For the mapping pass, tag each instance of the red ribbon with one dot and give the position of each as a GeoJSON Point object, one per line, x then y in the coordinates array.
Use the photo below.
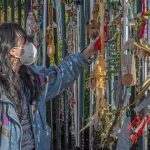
{"type": "Point", "coordinates": [97, 45]}
{"type": "Point", "coordinates": [35, 7]}
{"type": "Point", "coordinates": [142, 29]}
{"type": "Point", "coordinates": [106, 32]}
{"type": "Point", "coordinates": [106, 26]}
{"type": "Point", "coordinates": [143, 7]}
{"type": "Point", "coordinates": [41, 6]}
{"type": "Point", "coordinates": [72, 102]}
{"type": "Point", "coordinates": [138, 121]}
{"type": "Point", "coordinates": [135, 122]}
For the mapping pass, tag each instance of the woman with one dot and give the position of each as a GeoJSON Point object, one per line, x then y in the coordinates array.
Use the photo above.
{"type": "Point", "coordinates": [24, 89]}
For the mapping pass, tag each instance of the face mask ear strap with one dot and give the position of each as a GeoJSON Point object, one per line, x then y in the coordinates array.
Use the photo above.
{"type": "Point", "coordinates": [12, 53]}
{"type": "Point", "coordinates": [18, 47]}
{"type": "Point", "coordinates": [15, 56]}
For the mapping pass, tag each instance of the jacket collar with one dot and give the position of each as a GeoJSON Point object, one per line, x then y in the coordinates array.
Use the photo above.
{"type": "Point", "coordinates": [37, 69]}
{"type": "Point", "coordinates": [11, 109]}
{"type": "Point", "coordinates": [5, 99]}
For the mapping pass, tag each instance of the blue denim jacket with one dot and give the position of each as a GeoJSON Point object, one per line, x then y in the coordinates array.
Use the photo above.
{"type": "Point", "coordinates": [53, 81]}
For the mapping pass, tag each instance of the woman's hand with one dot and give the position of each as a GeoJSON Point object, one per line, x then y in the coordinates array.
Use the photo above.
{"type": "Point", "coordinates": [92, 48]}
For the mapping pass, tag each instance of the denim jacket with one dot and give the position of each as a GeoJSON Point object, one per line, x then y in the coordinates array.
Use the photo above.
{"type": "Point", "coordinates": [53, 81]}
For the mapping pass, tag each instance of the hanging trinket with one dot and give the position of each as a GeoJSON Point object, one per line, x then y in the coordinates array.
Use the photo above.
{"type": "Point", "coordinates": [72, 102]}
{"type": "Point", "coordinates": [51, 49]}
{"type": "Point", "coordinates": [70, 35]}
{"type": "Point", "coordinates": [128, 113]}
{"type": "Point", "coordinates": [128, 70]}
{"type": "Point", "coordinates": [50, 34]}
{"type": "Point", "coordinates": [31, 24]}
{"type": "Point", "coordinates": [92, 81]}
{"type": "Point", "coordinates": [69, 10]}
{"type": "Point", "coordinates": [128, 44]}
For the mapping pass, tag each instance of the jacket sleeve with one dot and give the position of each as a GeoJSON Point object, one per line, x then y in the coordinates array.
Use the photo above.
{"type": "Point", "coordinates": [65, 74]}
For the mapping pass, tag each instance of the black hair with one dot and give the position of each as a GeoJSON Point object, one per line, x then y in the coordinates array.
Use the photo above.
{"type": "Point", "coordinates": [11, 82]}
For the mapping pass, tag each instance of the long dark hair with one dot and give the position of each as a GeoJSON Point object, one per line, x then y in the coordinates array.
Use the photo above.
{"type": "Point", "coordinates": [11, 82]}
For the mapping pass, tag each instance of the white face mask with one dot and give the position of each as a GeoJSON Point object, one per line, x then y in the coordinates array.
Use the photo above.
{"type": "Point", "coordinates": [30, 54]}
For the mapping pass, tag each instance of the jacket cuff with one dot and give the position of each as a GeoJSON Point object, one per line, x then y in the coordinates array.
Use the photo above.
{"type": "Point", "coordinates": [83, 62]}
{"type": "Point", "coordinates": [91, 59]}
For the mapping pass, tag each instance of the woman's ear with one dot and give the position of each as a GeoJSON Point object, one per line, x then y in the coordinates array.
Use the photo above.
{"type": "Point", "coordinates": [12, 52]}
{"type": "Point", "coordinates": [16, 52]}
